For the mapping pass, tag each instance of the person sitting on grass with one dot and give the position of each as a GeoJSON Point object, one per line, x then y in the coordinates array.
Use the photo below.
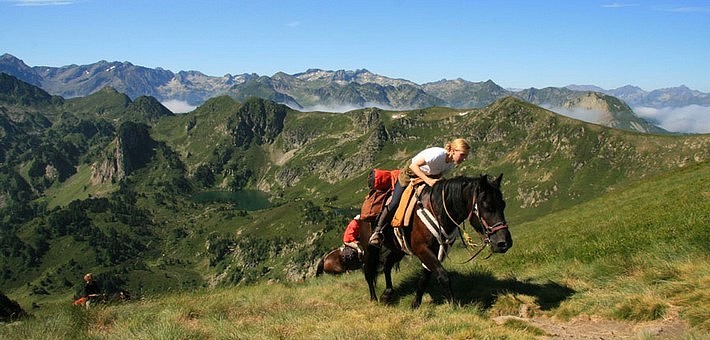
{"type": "Point", "coordinates": [90, 291]}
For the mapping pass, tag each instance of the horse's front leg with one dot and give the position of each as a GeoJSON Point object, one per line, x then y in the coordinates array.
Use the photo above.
{"type": "Point", "coordinates": [422, 283]}
{"type": "Point", "coordinates": [442, 276]}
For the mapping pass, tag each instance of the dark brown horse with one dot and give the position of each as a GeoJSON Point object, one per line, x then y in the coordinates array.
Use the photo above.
{"type": "Point", "coordinates": [451, 202]}
{"type": "Point", "coordinates": [338, 261]}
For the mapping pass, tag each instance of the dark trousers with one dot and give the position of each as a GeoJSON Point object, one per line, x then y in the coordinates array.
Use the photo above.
{"type": "Point", "coordinates": [396, 196]}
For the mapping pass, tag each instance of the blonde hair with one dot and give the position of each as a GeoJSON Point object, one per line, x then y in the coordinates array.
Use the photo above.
{"type": "Point", "coordinates": [457, 144]}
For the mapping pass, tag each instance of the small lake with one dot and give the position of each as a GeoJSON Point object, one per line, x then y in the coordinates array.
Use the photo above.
{"type": "Point", "coordinates": [243, 199]}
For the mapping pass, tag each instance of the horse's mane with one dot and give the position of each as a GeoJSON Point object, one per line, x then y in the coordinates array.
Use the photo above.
{"type": "Point", "coordinates": [458, 190]}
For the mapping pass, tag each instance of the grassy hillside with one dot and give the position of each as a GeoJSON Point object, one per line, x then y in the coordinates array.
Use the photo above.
{"type": "Point", "coordinates": [160, 206]}
{"type": "Point", "coordinates": [176, 217]}
{"type": "Point", "coordinates": [637, 255]}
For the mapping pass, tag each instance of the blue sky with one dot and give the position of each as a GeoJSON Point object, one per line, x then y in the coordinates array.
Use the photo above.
{"type": "Point", "coordinates": [517, 44]}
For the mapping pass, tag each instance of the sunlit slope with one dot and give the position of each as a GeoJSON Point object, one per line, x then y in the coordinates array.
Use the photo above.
{"type": "Point", "coordinates": [634, 255]}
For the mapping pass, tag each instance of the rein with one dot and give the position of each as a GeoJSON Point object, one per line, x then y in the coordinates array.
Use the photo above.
{"type": "Point", "coordinates": [458, 225]}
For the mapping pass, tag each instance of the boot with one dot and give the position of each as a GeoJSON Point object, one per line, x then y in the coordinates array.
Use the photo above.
{"type": "Point", "coordinates": [376, 238]}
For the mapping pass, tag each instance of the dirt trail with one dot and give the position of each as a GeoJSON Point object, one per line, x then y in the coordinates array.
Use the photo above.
{"type": "Point", "coordinates": [585, 327]}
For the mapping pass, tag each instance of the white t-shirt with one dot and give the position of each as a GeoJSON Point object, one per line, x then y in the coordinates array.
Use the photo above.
{"type": "Point", "coordinates": [435, 159]}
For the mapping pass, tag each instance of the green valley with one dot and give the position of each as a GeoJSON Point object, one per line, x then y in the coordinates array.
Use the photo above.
{"type": "Point", "coordinates": [606, 222]}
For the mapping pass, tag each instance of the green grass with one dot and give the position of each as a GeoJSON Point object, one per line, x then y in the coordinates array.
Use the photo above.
{"type": "Point", "coordinates": [627, 255]}
{"type": "Point", "coordinates": [632, 255]}
{"type": "Point", "coordinates": [76, 188]}
{"type": "Point", "coordinates": [325, 308]}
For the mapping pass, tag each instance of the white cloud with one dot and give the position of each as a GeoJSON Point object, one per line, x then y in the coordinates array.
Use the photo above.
{"type": "Point", "coordinates": [342, 108]}
{"type": "Point", "coordinates": [589, 116]}
{"type": "Point", "coordinates": [42, 2]}
{"type": "Point", "coordinates": [691, 9]}
{"type": "Point", "coordinates": [178, 106]}
{"type": "Point", "coordinates": [689, 119]}
{"type": "Point", "coordinates": [618, 5]}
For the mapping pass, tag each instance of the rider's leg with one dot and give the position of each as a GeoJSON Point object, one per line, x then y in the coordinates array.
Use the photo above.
{"type": "Point", "coordinates": [386, 215]}
{"type": "Point", "coordinates": [376, 237]}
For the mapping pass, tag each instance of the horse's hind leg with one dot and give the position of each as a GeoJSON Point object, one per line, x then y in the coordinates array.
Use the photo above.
{"type": "Point", "coordinates": [387, 294]}
{"type": "Point", "coordinates": [372, 258]}
{"type": "Point", "coordinates": [422, 283]}
{"type": "Point", "coordinates": [320, 267]}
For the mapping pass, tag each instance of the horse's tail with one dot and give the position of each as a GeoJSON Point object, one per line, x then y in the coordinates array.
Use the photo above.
{"type": "Point", "coordinates": [319, 267]}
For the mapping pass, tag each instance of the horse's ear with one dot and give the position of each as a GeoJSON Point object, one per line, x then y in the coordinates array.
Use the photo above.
{"type": "Point", "coordinates": [497, 180]}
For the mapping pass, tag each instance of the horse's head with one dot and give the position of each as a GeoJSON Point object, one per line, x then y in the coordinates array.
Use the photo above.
{"type": "Point", "coordinates": [487, 214]}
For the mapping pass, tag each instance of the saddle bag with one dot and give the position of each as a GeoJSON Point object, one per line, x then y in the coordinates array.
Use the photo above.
{"type": "Point", "coordinates": [373, 204]}
{"type": "Point", "coordinates": [381, 183]}
{"type": "Point", "coordinates": [382, 179]}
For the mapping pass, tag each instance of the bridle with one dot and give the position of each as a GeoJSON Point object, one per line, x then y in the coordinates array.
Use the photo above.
{"type": "Point", "coordinates": [488, 230]}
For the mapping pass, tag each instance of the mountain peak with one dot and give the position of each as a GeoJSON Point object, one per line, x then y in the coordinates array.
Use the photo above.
{"type": "Point", "coordinates": [593, 88]}
{"type": "Point", "coordinates": [629, 88]}
{"type": "Point", "coordinates": [108, 89]}
{"type": "Point", "coordinates": [16, 91]}
{"type": "Point", "coordinates": [342, 77]}
{"type": "Point", "coordinates": [16, 67]}
{"type": "Point", "coordinates": [9, 57]}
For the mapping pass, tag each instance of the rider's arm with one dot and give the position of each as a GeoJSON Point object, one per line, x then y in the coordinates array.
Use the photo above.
{"type": "Point", "coordinates": [416, 163]}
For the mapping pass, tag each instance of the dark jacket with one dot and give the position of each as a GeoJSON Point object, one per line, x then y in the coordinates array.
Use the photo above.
{"type": "Point", "coordinates": [91, 287]}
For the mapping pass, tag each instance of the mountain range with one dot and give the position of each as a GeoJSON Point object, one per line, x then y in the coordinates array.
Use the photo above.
{"type": "Point", "coordinates": [340, 91]}
{"type": "Point", "coordinates": [661, 98]}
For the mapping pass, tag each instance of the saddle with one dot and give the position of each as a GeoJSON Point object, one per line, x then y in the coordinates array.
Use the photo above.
{"type": "Point", "coordinates": [410, 198]}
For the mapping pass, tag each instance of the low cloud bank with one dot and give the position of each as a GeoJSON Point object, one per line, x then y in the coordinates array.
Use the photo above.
{"type": "Point", "coordinates": [687, 119]}
{"type": "Point", "coordinates": [178, 106]}
{"type": "Point", "coordinates": [342, 108]}
{"type": "Point", "coordinates": [589, 116]}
